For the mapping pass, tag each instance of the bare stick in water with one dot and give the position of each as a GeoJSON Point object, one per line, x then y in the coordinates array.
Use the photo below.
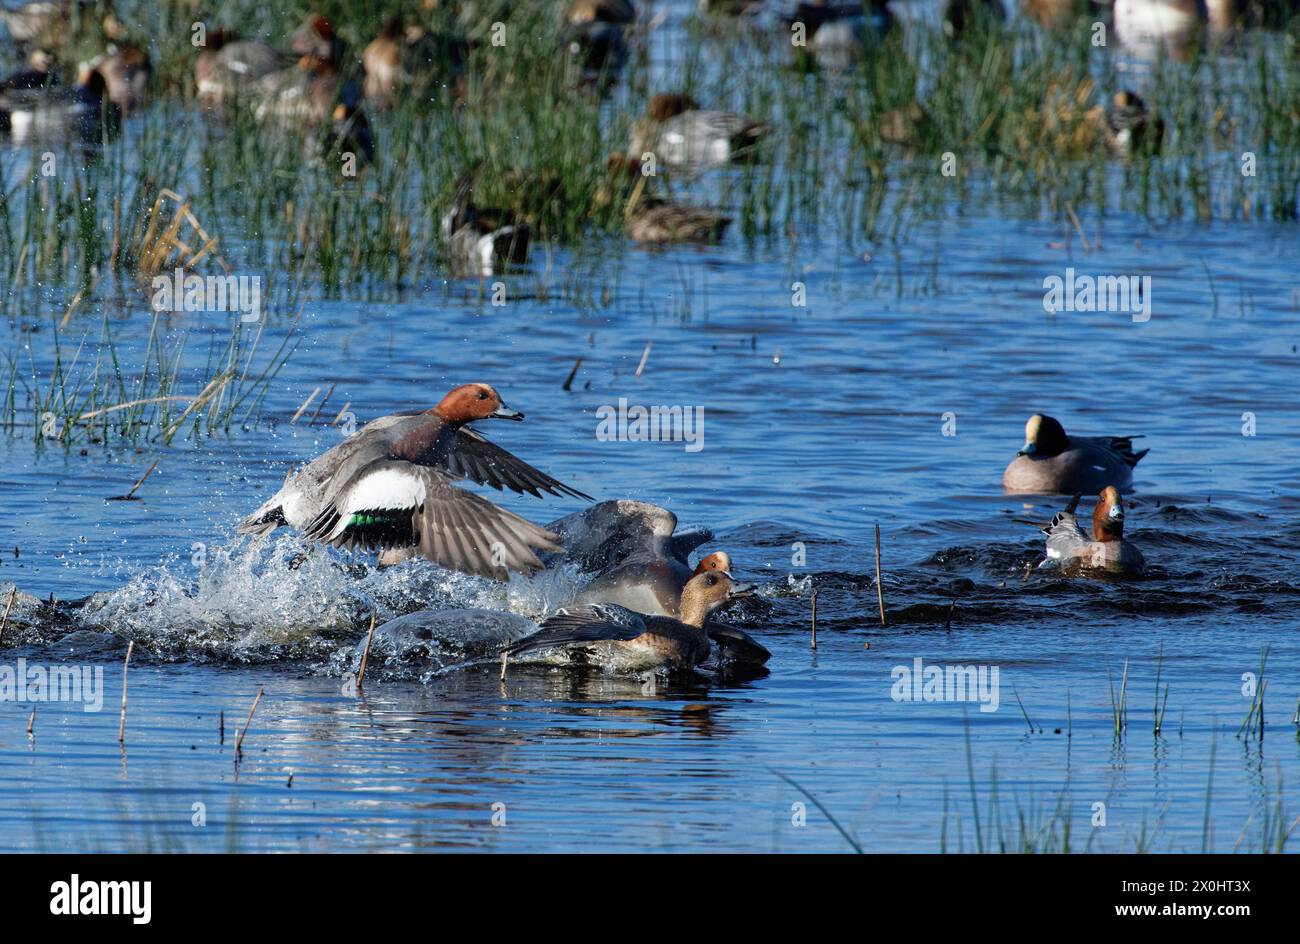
{"type": "Point", "coordinates": [645, 356]}
{"type": "Point", "coordinates": [4, 620]}
{"type": "Point", "coordinates": [221, 728]}
{"type": "Point", "coordinates": [239, 745]}
{"type": "Point", "coordinates": [365, 655]}
{"type": "Point", "coordinates": [138, 482]}
{"type": "Point", "coordinates": [305, 403]}
{"type": "Point", "coordinates": [880, 593]}
{"type": "Point", "coordinates": [126, 664]}
{"type": "Point", "coordinates": [814, 617]}
{"type": "Point", "coordinates": [568, 381]}
{"type": "Point", "coordinates": [31, 722]}
{"type": "Point", "coordinates": [505, 657]}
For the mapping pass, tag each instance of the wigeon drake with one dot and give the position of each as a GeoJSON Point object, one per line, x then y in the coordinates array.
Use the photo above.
{"type": "Point", "coordinates": [482, 241]}
{"type": "Point", "coordinates": [227, 67]}
{"type": "Point", "coordinates": [618, 639]}
{"type": "Point", "coordinates": [1052, 463]}
{"type": "Point", "coordinates": [1129, 126]}
{"type": "Point", "coordinates": [649, 584]}
{"type": "Point", "coordinates": [391, 487]}
{"type": "Point", "coordinates": [679, 133]}
{"type": "Point", "coordinates": [1068, 545]}
{"type": "Point", "coordinates": [127, 71]}
{"type": "Point", "coordinates": [609, 533]}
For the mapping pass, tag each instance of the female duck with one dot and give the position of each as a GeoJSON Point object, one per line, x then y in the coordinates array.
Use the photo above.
{"type": "Point", "coordinates": [1050, 462]}
{"type": "Point", "coordinates": [391, 486]}
{"type": "Point", "coordinates": [616, 638]}
{"type": "Point", "coordinates": [1068, 546]}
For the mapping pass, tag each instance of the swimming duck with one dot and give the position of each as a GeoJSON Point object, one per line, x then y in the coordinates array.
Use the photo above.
{"type": "Point", "coordinates": [595, 31]}
{"type": "Point", "coordinates": [679, 133]}
{"type": "Point", "coordinates": [1050, 462]}
{"type": "Point", "coordinates": [658, 221]}
{"type": "Point", "coordinates": [403, 56]}
{"type": "Point", "coordinates": [815, 15]}
{"type": "Point", "coordinates": [81, 109]}
{"type": "Point", "coordinates": [617, 638]}
{"type": "Point", "coordinates": [1149, 27]}
{"type": "Point", "coordinates": [230, 68]}
{"type": "Point", "coordinates": [391, 485]}
{"type": "Point", "coordinates": [316, 38]}
{"type": "Point", "coordinates": [127, 72]}
{"type": "Point", "coordinates": [37, 75]}
{"type": "Point", "coordinates": [1129, 127]}
{"type": "Point", "coordinates": [1068, 546]}
{"type": "Point", "coordinates": [482, 241]}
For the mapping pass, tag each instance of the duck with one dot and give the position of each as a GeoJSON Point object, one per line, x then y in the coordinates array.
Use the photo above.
{"type": "Point", "coordinates": [1068, 546]}
{"type": "Point", "coordinates": [391, 486]}
{"type": "Point", "coordinates": [815, 15]}
{"type": "Point", "coordinates": [428, 641]}
{"type": "Point", "coordinates": [619, 639]}
{"type": "Point", "coordinates": [604, 11]}
{"type": "Point", "coordinates": [227, 67]}
{"type": "Point", "coordinates": [654, 587]}
{"type": "Point", "coordinates": [127, 71]}
{"type": "Point", "coordinates": [82, 109]}
{"type": "Point", "coordinates": [1150, 27]}
{"type": "Point", "coordinates": [608, 533]}
{"type": "Point", "coordinates": [595, 31]}
{"type": "Point", "coordinates": [350, 134]}
{"type": "Point", "coordinates": [39, 74]}
{"type": "Point", "coordinates": [1052, 463]}
{"type": "Point", "coordinates": [655, 220]}
{"type": "Point", "coordinates": [42, 21]}
{"type": "Point", "coordinates": [483, 241]}
{"type": "Point", "coordinates": [649, 583]}
{"type": "Point", "coordinates": [316, 38]}
{"type": "Point", "coordinates": [403, 56]}
{"type": "Point", "coordinates": [679, 133]}
{"type": "Point", "coordinates": [1129, 128]}
{"type": "Point", "coordinates": [305, 94]}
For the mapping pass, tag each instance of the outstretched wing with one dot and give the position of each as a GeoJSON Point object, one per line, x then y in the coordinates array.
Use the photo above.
{"type": "Point", "coordinates": [486, 463]}
{"type": "Point", "coordinates": [1064, 536]}
{"type": "Point", "coordinates": [394, 504]}
{"type": "Point", "coordinates": [736, 645]}
{"type": "Point", "coordinates": [581, 624]}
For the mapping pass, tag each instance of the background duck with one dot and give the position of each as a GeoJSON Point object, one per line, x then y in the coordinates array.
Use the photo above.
{"type": "Point", "coordinates": [82, 110]}
{"type": "Point", "coordinates": [409, 57]}
{"type": "Point", "coordinates": [127, 71]}
{"type": "Point", "coordinates": [601, 537]}
{"type": "Point", "coordinates": [1068, 546]}
{"type": "Point", "coordinates": [1129, 127]}
{"type": "Point", "coordinates": [38, 74]}
{"type": "Point", "coordinates": [1050, 462]}
{"type": "Point", "coordinates": [391, 485]}
{"type": "Point", "coordinates": [679, 133]}
{"type": "Point", "coordinates": [228, 68]}
{"type": "Point", "coordinates": [616, 638]}
{"type": "Point", "coordinates": [482, 241]}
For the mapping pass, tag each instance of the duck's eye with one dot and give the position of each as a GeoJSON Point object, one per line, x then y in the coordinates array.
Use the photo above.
{"type": "Point", "coordinates": [482, 395]}
{"type": "Point", "coordinates": [712, 580]}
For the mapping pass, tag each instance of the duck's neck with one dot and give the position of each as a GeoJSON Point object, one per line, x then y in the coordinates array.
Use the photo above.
{"type": "Point", "coordinates": [694, 613]}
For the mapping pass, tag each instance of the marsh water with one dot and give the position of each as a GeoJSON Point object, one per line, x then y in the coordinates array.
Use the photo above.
{"type": "Point", "coordinates": [894, 397]}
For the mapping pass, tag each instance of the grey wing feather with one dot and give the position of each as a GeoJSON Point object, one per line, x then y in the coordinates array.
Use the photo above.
{"type": "Point", "coordinates": [1064, 537]}
{"type": "Point", "coordinates": [486, 463]}
{"type": "Point", "coordinates": [582, 624]}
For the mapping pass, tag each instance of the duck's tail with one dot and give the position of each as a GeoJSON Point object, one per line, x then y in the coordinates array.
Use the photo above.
{"type": "Point", "coordinates": [1124, 446]}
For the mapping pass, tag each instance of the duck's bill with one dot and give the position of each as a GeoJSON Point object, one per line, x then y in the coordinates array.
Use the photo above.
{"type": "Point", "coordinates": [742, 590]}
{"type": "Point", "coordinates": [1028, 449]}
{"type": "Point", "coordinates": [504, 412]}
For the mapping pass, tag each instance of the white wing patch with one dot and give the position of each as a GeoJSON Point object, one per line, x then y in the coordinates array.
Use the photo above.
{"type": "Point", "coordinates": [384, 488]}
